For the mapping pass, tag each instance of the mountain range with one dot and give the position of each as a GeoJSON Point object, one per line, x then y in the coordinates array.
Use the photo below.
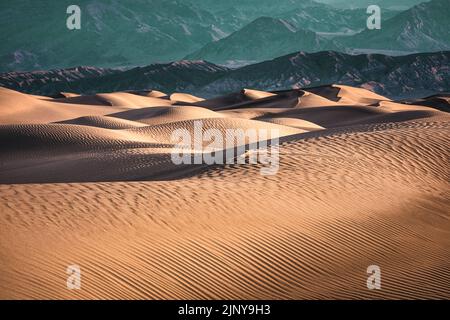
{"type": "Point", "coordinates": [422, 28]}
{"type": "Point", "coordinates": [409, 76]}
{"type": "Point", "coordinates": [140, 32]}
{"type": "Point", "coordinates": [113, 33]}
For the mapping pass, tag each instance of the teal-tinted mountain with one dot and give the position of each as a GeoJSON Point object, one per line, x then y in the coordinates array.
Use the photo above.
{"type": "Point", "coordinates": [423, 28]}
{"type": "Point", "coordinates": [305, 14]}
{"type": "Point", "coordinates": [255, 8]}
{"type": "Point", "coordinates": [333, 21]}
{"type": "Point", "coordinates": [129, 33]}
{"type": "Point", "coordinates": [113, 33]}
{"type": "Point", "coordinates": [120, 33]}
{"type": "Point", "coordinates": [263, 39]}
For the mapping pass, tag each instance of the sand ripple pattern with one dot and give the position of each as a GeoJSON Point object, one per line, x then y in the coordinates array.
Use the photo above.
{"type": "Point", "coordinates": [348, 194]}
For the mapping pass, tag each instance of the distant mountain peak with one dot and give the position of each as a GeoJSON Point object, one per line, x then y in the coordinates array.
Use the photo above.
{"type": "Point", "coordinates": [262, 39]}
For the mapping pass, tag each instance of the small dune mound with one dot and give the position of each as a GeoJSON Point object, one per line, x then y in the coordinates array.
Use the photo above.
{"type": "Point", "coordinates": [185, 98]}
{"type": "Point", "coordinates": [156, 94]}
{"type": "Point", "coordinates": [349, 95]}
{"type": "Point", "coordinates": [67, 95]}
{"type": "Point", "coordinates": [38, 137]}
{"type": "Point", "coordinates": [349, 115]}
{"type": "Point", "coordinates": [253, 99]}
{"type": "Point", "coordinates": [164, 132]}
{"type": "Point", "coordinates": [161, 115]}
{"type": "Point", "coordinates": [439, 101]}
{"type": "Point", "coordinates": [19, 108]}
{"type": "Point", "coordinates": [223, 101]}
{"type": "Point", "coordinates": [328, 92]}
{"type": "Point", "coordinates": [253, 113]}
{"type": "Point", "coordinates": [124, 99]}
{"type": "Point", "coordinates": [256, 94]}
{"type": "Point", "coordinates": [104, 122]}
{"type": "Point", "coordinates": [391, 106]}
{"type": "Point", "coordinates": [90, 100]}
{"type": "Point", "coordinates": [148, 93]}
{"type": "Point", "coordinates": [309, 99]}
{"type": "Point", "coordinates": [304, 125]}
{"type": "Point", "coordinates": [118, 99]}
{"type": "Point", "coordinates": [328, 116]}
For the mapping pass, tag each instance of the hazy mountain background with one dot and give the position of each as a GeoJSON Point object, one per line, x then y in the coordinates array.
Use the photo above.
{"type": "Point", "coordinates": [141, 32]}
{"type": "Point", "coordinates": [422, 28]}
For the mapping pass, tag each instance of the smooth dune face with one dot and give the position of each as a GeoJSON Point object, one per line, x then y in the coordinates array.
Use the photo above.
{"type": "Point", "coordinates": [89, 181]}
{"type": "Point", "coordinates": [184, 97]}
{"type": "Point", "coordinates": [69, 94]}
{"type": "Point", "coordinates": [255, 94]}
{"type": "Point", "coordinates": [156, 94]}
{"type": "Point", "coordinates": [362, 96]}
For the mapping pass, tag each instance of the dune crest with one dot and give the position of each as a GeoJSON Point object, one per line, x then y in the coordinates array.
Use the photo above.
{"type": "Point", "coordinates": [184, 97]}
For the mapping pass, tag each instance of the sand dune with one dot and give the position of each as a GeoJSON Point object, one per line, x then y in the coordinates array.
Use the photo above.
{"type": "Point", "coordinates": [362, 96]}
{"type": "Point", "coordinates": [295, 123]}
{"type": "Point", "coordinates": [89, 180]}
{"type": "Point", "coordinates": [149, 93]}
{"type": "Point", "coordinates": [18, 108]}
{"type": "Point", "coordinates": [438, 101]}
{"type": "Point", "coordinates": [256, 95]}
{"type": "Point", "coordinates": [163, 132]}
{"type": "Point", "coordinates": [67, 95]}
{"type": "Point", "coordinates": [309, 99]}
{"type": "Point", "coordinates": [105, 122]}
{"type": "Point", "coordinates": [184, 97]}
{"type": "Point", "coordinates": [247, 99]}
{"type": "Point", "coordinates": [161, 115]}
{"type": "Point", "coordinates": [118, 99]}
{"type": "Point", "coordinates": [347, 95]}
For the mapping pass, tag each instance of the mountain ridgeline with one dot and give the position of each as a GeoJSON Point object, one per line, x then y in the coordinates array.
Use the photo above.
{"type": "Point", "coordinates": [410, 76]}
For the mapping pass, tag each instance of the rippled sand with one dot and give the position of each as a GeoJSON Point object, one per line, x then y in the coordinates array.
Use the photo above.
{"type": "Point", "coordinates": [89, 181]}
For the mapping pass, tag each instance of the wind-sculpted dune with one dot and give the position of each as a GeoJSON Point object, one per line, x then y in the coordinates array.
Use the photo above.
{"type": "Point", "coordinates": [157, 196]}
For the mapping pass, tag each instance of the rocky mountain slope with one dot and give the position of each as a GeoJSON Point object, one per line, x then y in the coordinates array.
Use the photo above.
{"type": "Point", "coordinates": [414, 75]}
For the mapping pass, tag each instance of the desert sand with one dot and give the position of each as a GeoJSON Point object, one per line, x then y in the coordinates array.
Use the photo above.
{"type": "Point", "coordinates": [89, 181]}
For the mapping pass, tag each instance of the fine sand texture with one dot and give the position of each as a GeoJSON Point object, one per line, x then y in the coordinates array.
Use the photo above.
{"type": "Point", "coordinates": [89, 181]}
